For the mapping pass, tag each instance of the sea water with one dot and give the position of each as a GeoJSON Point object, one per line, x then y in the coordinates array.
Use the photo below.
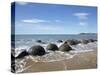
{"type": "Point", "coordinates": [25, 42]}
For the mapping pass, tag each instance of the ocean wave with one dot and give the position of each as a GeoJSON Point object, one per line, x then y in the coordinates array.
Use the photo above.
{"type": "Point", "coordinates": [50, 56]}
{"type": "Point", "coordinates": [76, 48]}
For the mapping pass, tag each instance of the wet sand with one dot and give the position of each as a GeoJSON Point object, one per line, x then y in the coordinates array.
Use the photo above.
{"type": "Point", "coordinates": [87, 60]}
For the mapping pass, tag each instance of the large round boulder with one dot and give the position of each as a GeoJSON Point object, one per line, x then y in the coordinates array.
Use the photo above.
{"type": "Point", "coordinates": [65, 42]}
{"type": "Point", "coordinates": [59, 41]}
{"type": "Point", "coordinates": [38, 41]}
{"type": "Point", "coordinates": [72, 42]}
{"type": "Point", "coordinates": [95, 40]}
{"type": "Point", "coordinates": [65, 47]}
{"type": "Point", "coordinates": [52, 47]}
{"type": "Point", "coordinates": [22, 54]}
{"type": "Point", "coordinates": [36, 50]}
{"type": "Point", "coordinates": [85, 41]}
{"type": "Point", "coordinates": [91, 40]}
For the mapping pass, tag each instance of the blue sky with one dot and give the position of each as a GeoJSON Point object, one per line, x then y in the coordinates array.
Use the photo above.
{"type": "Point", "coordinates": [35, 18]}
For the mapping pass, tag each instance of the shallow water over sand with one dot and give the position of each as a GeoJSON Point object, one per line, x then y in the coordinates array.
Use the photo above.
{"type": "Point", "coordinates": [51, 56]}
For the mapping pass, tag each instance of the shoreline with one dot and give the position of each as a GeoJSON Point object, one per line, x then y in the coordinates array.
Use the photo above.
{"type": "Point", "coordinates": [86, 60]}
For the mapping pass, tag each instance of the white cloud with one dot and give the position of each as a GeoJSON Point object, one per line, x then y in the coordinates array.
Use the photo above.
{"type": "Point", "coordinates": [83, 23]}
{"type": "Point", "coordinates": [81, 15]}
{"type": "Point", "coordinates": [22, 3]}
{"type": "Point", "coordinates": [58, 21]}
{"type": "Point", "coordinates": [34, 21]}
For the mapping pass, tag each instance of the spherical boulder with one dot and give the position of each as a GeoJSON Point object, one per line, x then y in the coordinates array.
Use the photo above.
{"type": "Point", "coordinates": [95, 40]}
{"type": "Point", "coordinates": [52, 47]}
{"type": "Point", "coordinates": [36, 50]}
{"type": "Point", "coordinates": [91, 40]}
{"type": "Point", "coordinates": [39, 41]}
{"type": "Point", "coordinates": [72, 42]}
{"type": "Point", "coordinates": [65, 42]}
{"type": "Point", "coordinates": [59, 41]}
{"type": "Point", "coordinates": [65, 47]}
{"type": "Point", "coordinates": [84, 41]}
{"type": "Point", "coordinates": [22, 54]}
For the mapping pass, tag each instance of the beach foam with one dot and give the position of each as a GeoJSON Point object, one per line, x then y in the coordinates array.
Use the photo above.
{"type": "Point", "coordinates": [50, 56]}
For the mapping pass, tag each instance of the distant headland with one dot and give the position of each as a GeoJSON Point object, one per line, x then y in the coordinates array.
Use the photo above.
{"type": "Point", "coordinates": [87, 33]}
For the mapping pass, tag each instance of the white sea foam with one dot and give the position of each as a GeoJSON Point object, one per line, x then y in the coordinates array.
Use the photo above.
{"type": "Point", "coordinates": [18, 50]}
{"type": "Point", "coordinates": [76, 48]}
{"type": "Point", "coordinates": [51, 56]}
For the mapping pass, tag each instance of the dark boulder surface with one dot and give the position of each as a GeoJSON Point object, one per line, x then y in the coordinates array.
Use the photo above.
{"type": "Point", "coordinates": [22, 54]}
{"type": "Point", "coordinates": [65, 47]}
{"type": "Point", "coordinates": [39, 41]}
{"type": "Point", "coordinates": [95, 40]}
{"type": "Point", "coordinates": [59, 41]}
{"type": "Point", "coordinates": [85, 41]}
{"type": "Point", "coordinates": [36, 50]}
{"type": "Point", "coordinates": [91, 40]}
{"type": "Point", "coordinates": [52, 47]}
{"type": "Point", "coordinates": [72, 42]}
{"type": "Point", "coordinates": [65, 42]}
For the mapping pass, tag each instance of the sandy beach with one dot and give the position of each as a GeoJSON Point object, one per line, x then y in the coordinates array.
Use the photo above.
{"type": "Point", "coordinates": [86, 60]}
{"type": "Point", "coordinates": [65, 39]}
